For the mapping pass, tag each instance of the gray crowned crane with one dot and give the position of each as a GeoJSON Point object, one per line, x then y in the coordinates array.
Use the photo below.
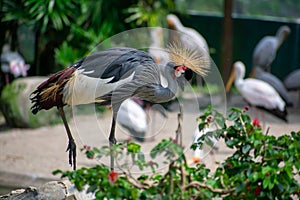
{"type": "Point", "coordinates": [111, 76]}
{"type": "Point", "coordinates": [257, 92]}
{"type": "Point", "coordinates": [266, 49]}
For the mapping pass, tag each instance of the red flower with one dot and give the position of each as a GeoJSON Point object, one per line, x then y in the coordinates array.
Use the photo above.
{"type": "Point", "coordinates": [257, 191]}
{"type": "Point", "coordinates": [255, 122]}
{"type": "Point", "coordinates": [151, 163]}
{"type": "Point", "coordinates": [229, 165]}
{"type": "Point", "coordinates": [112, 177]}
{"type": "Point", "coordinates": [246, 108]}
{"type": "Point", "coordinates": [174, 140]}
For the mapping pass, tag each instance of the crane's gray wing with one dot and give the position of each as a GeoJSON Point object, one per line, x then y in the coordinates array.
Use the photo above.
{"type": "Point", "coordinates": [115, 63]}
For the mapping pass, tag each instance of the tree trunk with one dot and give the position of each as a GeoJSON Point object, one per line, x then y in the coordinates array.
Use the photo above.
{"type": "Point", "coordinates": [227, 35]}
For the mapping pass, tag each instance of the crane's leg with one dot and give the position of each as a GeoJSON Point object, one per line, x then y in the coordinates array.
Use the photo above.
{"type": "Point", "coordinates": [112, 141]}
{"type": "Point", "coordinates": [71, 146]}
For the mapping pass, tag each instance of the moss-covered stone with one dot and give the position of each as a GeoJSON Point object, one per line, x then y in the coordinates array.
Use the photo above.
{"type": "Point", "coordinates": [15, 105]}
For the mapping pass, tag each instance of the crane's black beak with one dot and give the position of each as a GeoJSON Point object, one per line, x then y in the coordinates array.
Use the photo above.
{"type": "Point", "coordinates": [187, 76]}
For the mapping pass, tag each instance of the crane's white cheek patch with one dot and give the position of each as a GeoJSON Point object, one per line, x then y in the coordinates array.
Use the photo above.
{"type": "Point", "coordinates": [82, 89]}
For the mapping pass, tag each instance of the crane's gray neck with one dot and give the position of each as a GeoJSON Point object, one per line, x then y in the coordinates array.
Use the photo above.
{"type": "Point", "coordinates": [156, 92]}
{"type": "Point", "coordinates": [171, 79]}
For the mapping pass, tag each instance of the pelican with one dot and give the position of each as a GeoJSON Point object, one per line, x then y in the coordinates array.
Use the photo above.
{"type": "Point", "coordinates": [266, 49]}
{"type": "Point", "coordinates": [260, 74]}
{"type": "Point", "coordinates": [257, 92]}
{"type": "Point", "coordinates": [191, 38]}
{"type": "Point", "coordinates": [292, 82]}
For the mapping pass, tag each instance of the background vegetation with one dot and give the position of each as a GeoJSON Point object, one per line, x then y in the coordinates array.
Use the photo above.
{"type": "Point", "coordinates": [52, 34]}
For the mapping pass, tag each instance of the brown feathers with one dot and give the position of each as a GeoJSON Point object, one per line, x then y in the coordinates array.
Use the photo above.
{"type": "Point", "coordinates": [198, 61]}
{"type": "Point", "coordinates": [49, 93]}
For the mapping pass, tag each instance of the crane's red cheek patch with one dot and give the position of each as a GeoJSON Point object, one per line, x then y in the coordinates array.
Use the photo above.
{"type": "Point", "coordinates": [181, 67]}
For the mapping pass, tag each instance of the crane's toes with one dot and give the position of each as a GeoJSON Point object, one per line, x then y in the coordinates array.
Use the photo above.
{"type": "Point", "coordinates": [72, 153]}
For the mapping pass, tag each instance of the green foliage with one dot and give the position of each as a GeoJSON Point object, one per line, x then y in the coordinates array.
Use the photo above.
{"type": "Point", "coordinates": [150, 13]}
{"type": "Point", "coordinates": [261, 167]}
{"type": "Point", "coordinates": [42, 14]}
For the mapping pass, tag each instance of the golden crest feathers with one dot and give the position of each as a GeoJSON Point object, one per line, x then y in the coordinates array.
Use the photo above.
{"type": "Point", "coordinates": [196, 60]}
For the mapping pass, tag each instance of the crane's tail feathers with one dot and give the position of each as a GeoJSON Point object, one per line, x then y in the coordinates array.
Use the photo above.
{"type": "Point", "coordinates": [197, 60]}
{"type": "Point", "coordinates": [49, 93]}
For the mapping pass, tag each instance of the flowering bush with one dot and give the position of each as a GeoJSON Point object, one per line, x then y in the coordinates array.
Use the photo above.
{"type": "Point", "coordinates": [262, 166]}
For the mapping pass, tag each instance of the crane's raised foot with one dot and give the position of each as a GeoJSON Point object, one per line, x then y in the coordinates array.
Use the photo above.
{"type": "Point", "coordinates": [72, 153]}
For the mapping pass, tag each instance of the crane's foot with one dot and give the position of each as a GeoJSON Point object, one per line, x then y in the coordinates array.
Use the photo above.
{"type": "Point", "coordinates": [72, 153]}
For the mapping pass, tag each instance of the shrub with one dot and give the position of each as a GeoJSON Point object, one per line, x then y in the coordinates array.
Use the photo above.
{"type": "Point", "coordinates": [262, 166]}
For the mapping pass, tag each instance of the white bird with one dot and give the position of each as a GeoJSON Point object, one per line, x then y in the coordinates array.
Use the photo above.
{"type": "Point", "coordinates": [278, 85]}
{"type": "Point", "coordinates": [199, 154]}
{"type": "Point", "coordinates": [256, 92]}
{"type": "Point", "coordinates": [190, 37]}
{"type": "Point", "coordinates": [133, 118]}
{"type": "Point", "coordinates": [292, 82]}
{"type": "Point", "coordinates": [13, 63]}
{"type": "Point", "coordinates": [266, 49]}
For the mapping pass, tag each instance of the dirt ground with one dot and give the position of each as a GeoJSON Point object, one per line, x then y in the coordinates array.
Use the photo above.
{"type": "Point", "coordinates": [28, 156]}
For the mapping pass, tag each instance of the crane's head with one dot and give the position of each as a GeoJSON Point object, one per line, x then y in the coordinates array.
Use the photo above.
{"type": "Point", "coordinates": [180, 73]}
{"type": "Point", "coordinates": [179, 70]}
{"type": "Point", "coordinates": [184, 58]}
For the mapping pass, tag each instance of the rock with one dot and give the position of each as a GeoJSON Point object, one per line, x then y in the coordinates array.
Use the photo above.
{"type": "Point", "coordinates": [53, 190]}
{"type": "Point", "coordinates": [15, 105]}
{"type": "Point", "coordinates": [29, 193]}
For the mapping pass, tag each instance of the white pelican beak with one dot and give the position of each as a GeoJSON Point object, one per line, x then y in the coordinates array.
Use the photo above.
{"type": "Point", "coordinates": [230, 81]}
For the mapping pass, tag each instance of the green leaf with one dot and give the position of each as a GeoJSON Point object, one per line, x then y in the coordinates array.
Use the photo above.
{"type": "Point", "coordinates": [133, 147]}
{"type": "Point", "coordinates": [232, 143]}
{"type": "Point", "coordinates": [233, 116]}
{"type": "Point", "coordinates": [266, 182]}
{"type": "Point", "coordinates": [246, 148]}
{"type": "Point", "coordinates": [266, 169]}
{"type": "Point", "coordinates": [58, 171]}
{"type": "Point", "coordinates": [92, 189]}
{"type": "Point", "coordinates": [254, 177]}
